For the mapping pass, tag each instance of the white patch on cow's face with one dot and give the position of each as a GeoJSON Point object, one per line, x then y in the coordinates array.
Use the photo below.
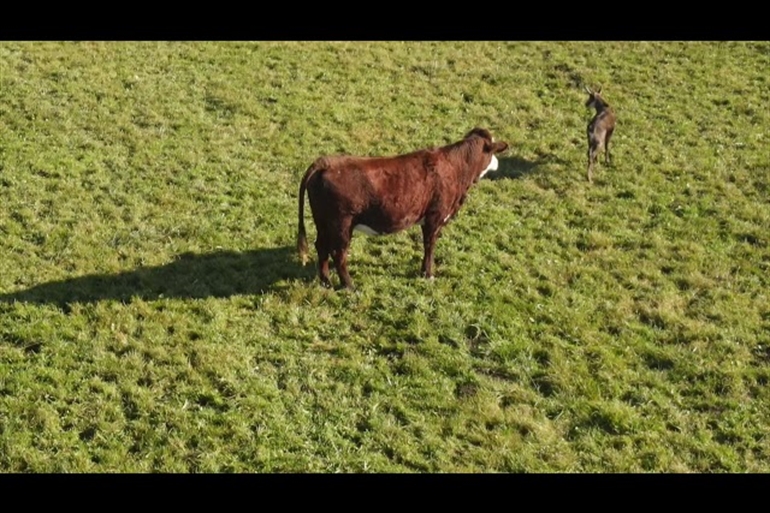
{"type": "Point", "coordinates": [492, 166]}
{"type": "Point", "coordinates": [365, 229]}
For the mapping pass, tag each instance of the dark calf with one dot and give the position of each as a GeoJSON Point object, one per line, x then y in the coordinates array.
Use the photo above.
{"type": "Point", "coordinates": [381, 195]}
{"type": "Point", "coordinates": [599, 129]}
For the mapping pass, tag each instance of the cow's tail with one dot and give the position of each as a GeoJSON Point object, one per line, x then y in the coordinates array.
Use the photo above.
{"type": "Point", "coordinates": [301, 235]}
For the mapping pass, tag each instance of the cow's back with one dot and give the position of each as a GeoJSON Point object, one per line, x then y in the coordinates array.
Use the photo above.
{"type": "Point", "coordinates": [387, 194]}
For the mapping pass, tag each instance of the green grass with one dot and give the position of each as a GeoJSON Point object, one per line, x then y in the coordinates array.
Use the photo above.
{"type": "Point", "coordinates": [154, 316]}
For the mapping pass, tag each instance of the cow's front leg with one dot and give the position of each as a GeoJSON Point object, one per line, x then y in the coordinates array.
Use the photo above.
{"type": "Point", "coordinates": [430, 233]}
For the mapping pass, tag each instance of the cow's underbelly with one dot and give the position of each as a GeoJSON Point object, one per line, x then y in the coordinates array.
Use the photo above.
{"type": "Point", "coordinates": [393, 228]}
{"type": "Point", "coordinates": [365, 229]}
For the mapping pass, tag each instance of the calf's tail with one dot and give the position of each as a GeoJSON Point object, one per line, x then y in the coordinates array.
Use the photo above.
{"type": "Point", "coordinates": [301, 234]}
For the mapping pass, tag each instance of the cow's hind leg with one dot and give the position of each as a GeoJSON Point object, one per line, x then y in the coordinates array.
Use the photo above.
{"type": "Point", "coordinates": [341, 263]}
{"type": "Point", "coordinates": [321, 246]}
{"type": "Point", "coordinates": [340, 245]}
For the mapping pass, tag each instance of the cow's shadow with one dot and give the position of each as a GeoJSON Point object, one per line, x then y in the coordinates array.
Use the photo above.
{"type": "Point", "coordinates": [517, 167]}
{"type": "Point", "coordinates": [190, 276]}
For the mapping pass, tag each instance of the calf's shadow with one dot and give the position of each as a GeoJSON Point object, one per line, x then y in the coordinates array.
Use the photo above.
{"type": "Point", "coordinates": [219, 274]}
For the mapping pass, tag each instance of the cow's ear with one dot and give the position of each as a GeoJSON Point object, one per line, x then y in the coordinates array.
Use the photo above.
{"type": "Point", "coordinates": [495, 147]}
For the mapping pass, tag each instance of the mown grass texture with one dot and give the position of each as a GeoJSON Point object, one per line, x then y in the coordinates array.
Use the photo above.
{"type": "Point", "coordinates": [154, 316]}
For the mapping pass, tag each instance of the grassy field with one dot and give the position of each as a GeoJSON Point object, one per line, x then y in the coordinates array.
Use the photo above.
{"type": "Point", "coordinates": [154, 316]}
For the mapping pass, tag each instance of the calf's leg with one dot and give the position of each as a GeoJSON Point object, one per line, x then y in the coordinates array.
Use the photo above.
{"type": "Point", "coordinates": [591, 160]}
{"type": "Point", "coordinates": [607, 159]}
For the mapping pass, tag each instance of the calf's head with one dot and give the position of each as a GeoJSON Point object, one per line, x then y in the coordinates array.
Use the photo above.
{"type": "Point", "coordinates": [595, 100]}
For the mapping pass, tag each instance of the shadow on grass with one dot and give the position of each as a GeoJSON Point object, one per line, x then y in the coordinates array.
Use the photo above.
{"type": "Point", "coordinates": [516, 167]}
{"type": "Point", "coordinates": [194, 276]}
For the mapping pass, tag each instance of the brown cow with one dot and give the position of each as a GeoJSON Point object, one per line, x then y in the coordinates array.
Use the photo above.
{"type": "Point", "coordinates": [599, 129]}
{"type": "Point", "coordinates": [380, 195]}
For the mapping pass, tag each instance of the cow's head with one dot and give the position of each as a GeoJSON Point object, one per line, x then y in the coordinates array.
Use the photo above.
{"type": "Point", "coordinates": [490, 148]}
